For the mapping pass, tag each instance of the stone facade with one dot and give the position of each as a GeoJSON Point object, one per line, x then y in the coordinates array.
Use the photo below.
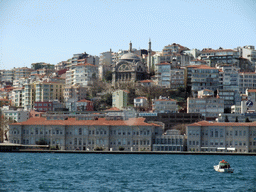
{"type": "Point", "coordinates": [71, 134]}
{"type": "Point", "coordinates": [222, 137]}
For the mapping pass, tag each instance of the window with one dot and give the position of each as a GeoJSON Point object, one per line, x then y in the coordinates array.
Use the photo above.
{"type": "Point", "coordinates": [80, 131]}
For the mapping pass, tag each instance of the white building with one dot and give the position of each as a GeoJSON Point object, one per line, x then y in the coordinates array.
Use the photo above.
{"type": "Point", "coordinates": [81, 74]}
{"type": "Point", "coordinates": [15, 115]}
{"type": "Point", "coordinates": [141, 103]}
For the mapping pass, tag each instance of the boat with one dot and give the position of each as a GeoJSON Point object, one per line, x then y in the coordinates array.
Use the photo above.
{"type": "Point", "coordinates": [223, 167]}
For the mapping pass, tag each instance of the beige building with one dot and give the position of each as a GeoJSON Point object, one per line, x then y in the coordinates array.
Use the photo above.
{"type": "Point", "coordinates": [111, 135]}
{"type": "Point", "coordinates": [223, 137]}
{"type": "Point", "coordinates": [206, 104]}
{"type": "Point", "coordinates": [46, 91]}
{"type": "Point", "coordinates": [120, 99]}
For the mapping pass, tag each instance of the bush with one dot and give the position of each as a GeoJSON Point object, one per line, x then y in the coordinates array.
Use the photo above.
{"type": "Point", "coordinates": [99, 149]}
{"type": "Point", "coordinates": [121, 148]}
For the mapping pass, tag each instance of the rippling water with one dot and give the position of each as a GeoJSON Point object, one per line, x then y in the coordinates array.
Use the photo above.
{"type": "Point", "coordinates": [129, 172]}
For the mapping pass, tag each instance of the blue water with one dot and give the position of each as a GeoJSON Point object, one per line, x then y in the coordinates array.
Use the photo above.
{"type": "Point", "coordinates": [101, 172]}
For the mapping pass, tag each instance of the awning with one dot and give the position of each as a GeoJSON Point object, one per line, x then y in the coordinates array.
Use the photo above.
{"type": "Point", "coordinates": [231, 148]}
{"type": "Point", "coordinates": [221, 148]}
{"type": "Point", "coordinates": [208, 147]}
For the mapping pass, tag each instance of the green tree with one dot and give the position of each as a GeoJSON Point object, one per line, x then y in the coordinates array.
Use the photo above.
{"type": "Point", "coordinates": [108, 76]}
{"type": "Point", "coordinates": [236, 119]}
{"type": "Point", "coordinates": [247, 120]}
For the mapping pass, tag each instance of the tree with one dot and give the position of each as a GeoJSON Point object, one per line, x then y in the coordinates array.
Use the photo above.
{"type": "Point", "coordinates": [236, 119]}
{"type": "Point", "coordinates": [181, 127]}
{"type": "Point", "coordinates": [108, 76]}
{"type": "Point", "coordinates": [4, 125]}
{"type": "Point", "coordinates": [247, 119]}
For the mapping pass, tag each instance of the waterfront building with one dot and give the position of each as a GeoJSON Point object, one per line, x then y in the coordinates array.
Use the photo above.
{"type": "Point", "coordinates": [209, 106]}
{"type": "Point", "coordinates": [120, 99]}
{"type": "Point", "coordinates": [164, 104]}
{"type": "Point", "coordinates": [221, 136]}
{"type": "Point", "coordinates": [172, 140]}
{"type": "Point", "coordinates": [70, 134]}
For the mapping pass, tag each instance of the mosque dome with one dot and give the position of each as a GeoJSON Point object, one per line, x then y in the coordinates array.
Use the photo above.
{"type": "Point", "coordinates": [130, 57]}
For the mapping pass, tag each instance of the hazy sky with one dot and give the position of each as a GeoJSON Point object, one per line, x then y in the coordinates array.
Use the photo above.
{"type": "Point", "coordinates": [52, 31]}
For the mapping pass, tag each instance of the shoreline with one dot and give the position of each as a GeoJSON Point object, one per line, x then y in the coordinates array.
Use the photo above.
{"type": "Point", "coordinates": [130, 152]}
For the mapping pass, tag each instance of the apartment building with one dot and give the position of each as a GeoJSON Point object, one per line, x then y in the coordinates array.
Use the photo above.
{"type": "Point", "coordinates": [41, 65]}
{"type": "Point", "coordinates": [209, 106]}
{"type": "Point", "coordinates": [199, 77]}
{"type": "Point", "coordinates": [76, 92]}
{"type": "Point", "coordinates": [21, 72]}
{"type": "Point", "coordinates": [221, 136]}
{"type": "Point", "coordinates": [17, 97]}
{"type": "Point", "coordinates": [111, 135]}
{"type": "Point", "coordinates": [7, 75]}
{"type": "Point", "coordinates": [81, 105]}
{"type": "Point", "coordinates": [219, 56]}
{"type": "Point", "coordinates": [247, 80]}
{"type": "Point", "coordinates": [120, 99]}
{"type": "Point", "coordinates": [177, 78]}
{"type": "Point", "coordinates": [163, 74]}
{"type": "Point", "coordinates": [46, 91]}
{"type": "Point", "coordinates": [164, 104]}
{"type": "Point", "coordinates": [81, 74]}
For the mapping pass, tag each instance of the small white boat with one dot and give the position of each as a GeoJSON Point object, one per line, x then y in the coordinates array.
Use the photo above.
{"type": "Point", "coordinates": [223, 167]}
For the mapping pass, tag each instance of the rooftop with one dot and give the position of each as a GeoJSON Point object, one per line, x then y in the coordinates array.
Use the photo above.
{"type": "Point", "coordinates": [99, 122]}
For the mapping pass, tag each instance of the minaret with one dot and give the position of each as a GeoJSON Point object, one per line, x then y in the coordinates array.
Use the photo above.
{"type": "Point", "coordinates": [149, 55]}
{"type": "Point", "coordinates": [130, 47]}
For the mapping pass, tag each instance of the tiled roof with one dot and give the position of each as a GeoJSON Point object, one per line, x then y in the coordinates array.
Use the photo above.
{"type": "Point", "coordinates": [218, 50]}
{"type": "Point", "coordinates": [200, 67]}
{"type": "Point", "coordinates": [86, 64]}
{"type": "Point", "coordinates": [163, 63]}
{"type": "Point", "coordinates": [84, 100]}
{"type": "Point", "coordinates": [222, 124]}
{"type": "Point", "coordinates": [252, 90]}
{"type": "Point", "coordinates": [247, 72]}
{"type": "Point", "coordinates": [99, 122]}
{"type": "Point", "coordinates": [141, 98]}
{"type": "Point", "coordinates": [207, 90]}
{"type": "Point", "coordinates": [165, 100]}
{"type": "Point", "coordinates": [146, 81]}
{"type": "Point", "coordinates": [113, 109]}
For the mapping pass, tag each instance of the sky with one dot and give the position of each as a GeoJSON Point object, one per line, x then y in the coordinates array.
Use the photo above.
{"type": "Point", "coordinates": [52, 31]}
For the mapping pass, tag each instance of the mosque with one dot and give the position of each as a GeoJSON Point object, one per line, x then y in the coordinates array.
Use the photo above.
{"type": "Point", "coordinates": [129, 68]}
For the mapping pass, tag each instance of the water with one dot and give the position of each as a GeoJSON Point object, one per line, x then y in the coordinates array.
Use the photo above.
{"type": "Point", "coordinates": [127, 172]}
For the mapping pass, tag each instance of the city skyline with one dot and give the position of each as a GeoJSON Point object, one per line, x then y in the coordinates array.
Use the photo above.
{"type": "Point", "coordinates": [46, 31]}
